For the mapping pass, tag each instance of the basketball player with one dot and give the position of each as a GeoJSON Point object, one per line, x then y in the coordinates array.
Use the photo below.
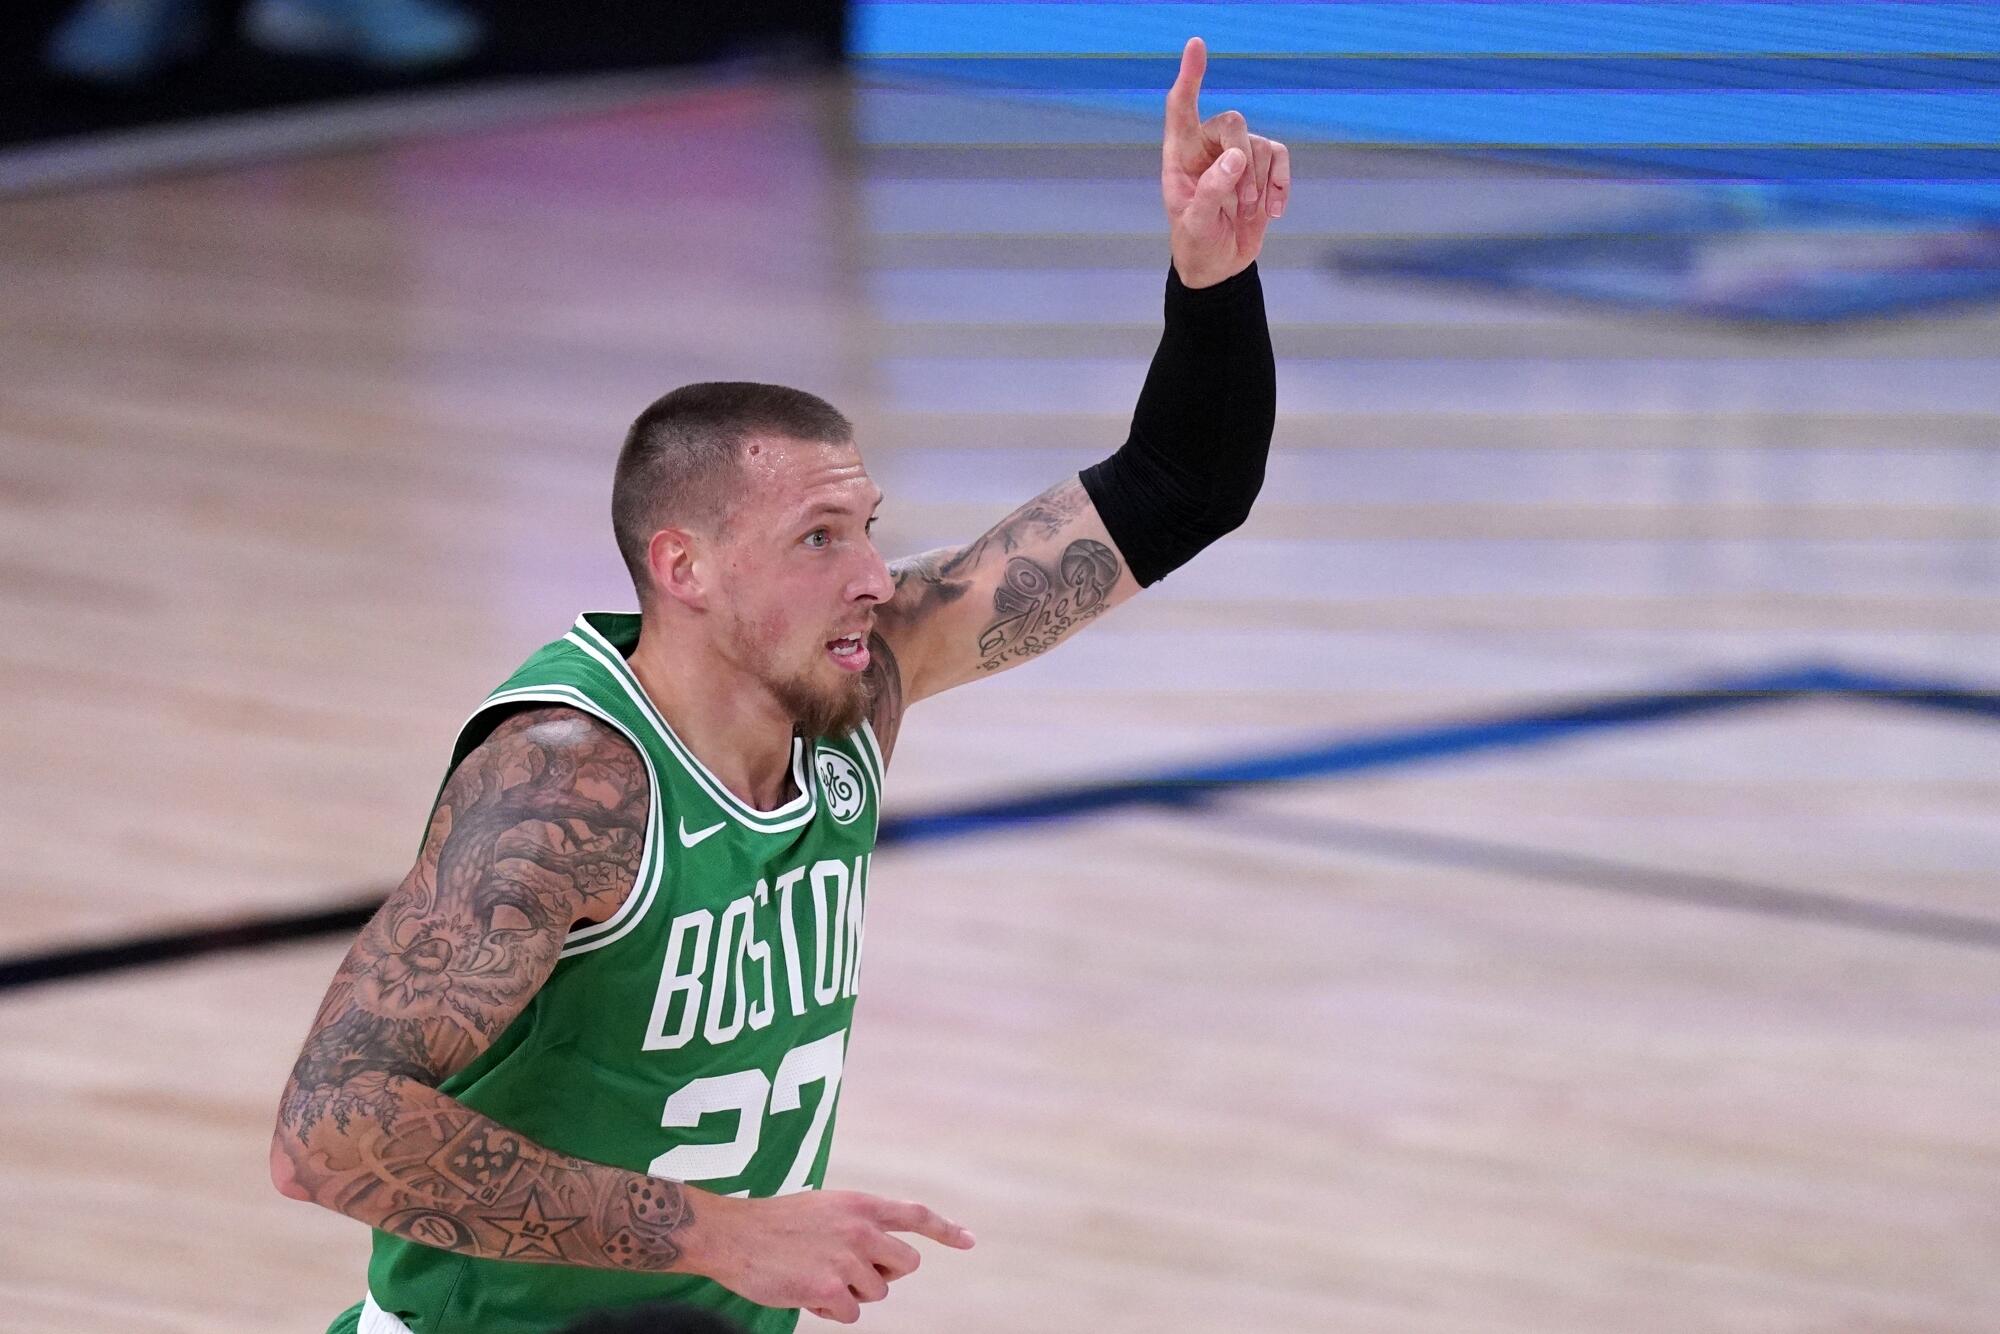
{"type": "Point", "coordinates": [587, 1054]}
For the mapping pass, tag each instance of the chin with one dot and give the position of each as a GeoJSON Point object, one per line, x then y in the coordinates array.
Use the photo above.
{"type": "Point", "coordinates": [823, 710]}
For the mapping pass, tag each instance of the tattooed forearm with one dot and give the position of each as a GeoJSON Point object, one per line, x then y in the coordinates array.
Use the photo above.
{"type": "Point", "coordinates": [448, 1177]}
{"type": "Point", "coordinates": [540, 827]}
{"type": "Point", "coordinates": [1037, 605]}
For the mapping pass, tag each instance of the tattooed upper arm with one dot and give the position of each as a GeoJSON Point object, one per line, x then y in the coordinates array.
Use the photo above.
{"type": "Point", "coordinates": [885, 690]}
{"type": "Point", "coordinates": [540, 827]}
{"type": "Point", "coordinates": [1023, 587]}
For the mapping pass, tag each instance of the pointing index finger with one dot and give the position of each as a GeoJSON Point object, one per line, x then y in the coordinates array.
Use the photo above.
{"type": "Point", "coordinates": [1184, 98]}
{"type": "Point", "coordinates": [904, 1216]}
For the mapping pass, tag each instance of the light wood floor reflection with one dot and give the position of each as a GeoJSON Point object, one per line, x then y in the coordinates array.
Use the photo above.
{"type": "Point", "coordinates": [297, 460]}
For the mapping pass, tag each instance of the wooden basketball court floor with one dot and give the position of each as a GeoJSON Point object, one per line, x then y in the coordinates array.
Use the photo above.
{"type": "Point", "coordinates": [1655, 1029]}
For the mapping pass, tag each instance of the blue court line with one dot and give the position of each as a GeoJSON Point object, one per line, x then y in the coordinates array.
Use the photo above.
{"type": "Point", "coordinates": [1943, 696]}
{"type": "Point", "coordinates": [1190, 787]}
{"type": "Point", "coordinates": [1194, 785]}
{"type": "Point", "coordinates": [1604, 876]}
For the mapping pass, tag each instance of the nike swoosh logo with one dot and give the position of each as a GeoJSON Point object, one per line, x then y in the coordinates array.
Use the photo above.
{"type": "Point", "coordinates": [689, 840]}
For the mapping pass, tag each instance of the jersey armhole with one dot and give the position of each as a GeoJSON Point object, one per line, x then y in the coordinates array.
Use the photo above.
{"type": "Point", "coordinates": [646, 884]}
{"type": "Point", "coordinates": [875, 764]}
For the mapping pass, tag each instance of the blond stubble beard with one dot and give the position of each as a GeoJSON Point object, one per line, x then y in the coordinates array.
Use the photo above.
{"type": "Point", "coordinates": [815, 709]}
{"type": "Point", "coordinates": [818, 712]}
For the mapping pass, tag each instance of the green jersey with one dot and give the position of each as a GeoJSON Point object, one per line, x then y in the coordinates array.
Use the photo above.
{"type": "Point", "coordinates": [697, 1034]}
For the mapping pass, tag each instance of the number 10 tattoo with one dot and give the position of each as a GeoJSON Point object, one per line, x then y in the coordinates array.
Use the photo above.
{"type": "Point", "coordinates": [1037, 606]}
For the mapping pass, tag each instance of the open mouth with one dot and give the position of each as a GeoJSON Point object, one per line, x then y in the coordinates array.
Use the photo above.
{"type": "Point", "coordinates": [848, 652]}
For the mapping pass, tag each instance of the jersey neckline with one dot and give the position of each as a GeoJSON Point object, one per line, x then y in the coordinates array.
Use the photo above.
{"type": "Point", "coordinates": [592, 640]}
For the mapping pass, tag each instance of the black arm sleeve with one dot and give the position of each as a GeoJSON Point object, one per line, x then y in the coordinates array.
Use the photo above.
{"type": "Point", "coordinates": [1194, 461]}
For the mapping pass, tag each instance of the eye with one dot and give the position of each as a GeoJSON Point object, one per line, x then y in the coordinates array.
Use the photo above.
{"type": "Point", "coordinates": [817, 538]}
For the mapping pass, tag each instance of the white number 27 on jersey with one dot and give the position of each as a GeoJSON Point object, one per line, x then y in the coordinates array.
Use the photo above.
{"type": "Point", "coordinates": [748, 1093]}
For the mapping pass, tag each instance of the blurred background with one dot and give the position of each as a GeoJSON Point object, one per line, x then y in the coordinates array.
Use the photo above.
{"type": "Point", "coordinates": [1542, 875]}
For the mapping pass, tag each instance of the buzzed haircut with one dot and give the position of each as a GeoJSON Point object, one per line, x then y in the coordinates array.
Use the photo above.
{"type": "Point", "coordinates": [683, 457]}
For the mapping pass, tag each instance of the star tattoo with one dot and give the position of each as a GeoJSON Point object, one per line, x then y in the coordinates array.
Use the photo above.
{"type": "Point", "coordinates": [532, 1231]}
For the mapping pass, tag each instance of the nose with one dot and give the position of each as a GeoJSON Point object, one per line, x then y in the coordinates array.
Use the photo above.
{"type": "Point", "coordinates": [875, 583]}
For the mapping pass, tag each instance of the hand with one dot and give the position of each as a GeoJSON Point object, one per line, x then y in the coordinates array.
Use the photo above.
{"type": "Point", "coordinates": [1221, 184]}
{"type": "Point", "coordinates": [826, 1251]}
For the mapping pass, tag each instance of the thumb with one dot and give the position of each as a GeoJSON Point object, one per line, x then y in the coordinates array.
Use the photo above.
{"type": "Point", "coordinates": [1215, 192]}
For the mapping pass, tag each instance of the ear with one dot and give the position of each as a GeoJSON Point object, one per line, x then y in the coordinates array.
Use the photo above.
{"type": "Point", "coordinates": [681, 567]}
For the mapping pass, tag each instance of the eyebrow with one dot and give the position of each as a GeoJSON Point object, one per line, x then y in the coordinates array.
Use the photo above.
{"type": "Point", "coordinates": [828, 507]}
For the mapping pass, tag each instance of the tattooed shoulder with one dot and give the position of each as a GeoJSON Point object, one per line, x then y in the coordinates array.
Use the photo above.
{"type": "Point", "coordinates": [553, 802]}
{"type": "Point", "coordinates": [541, 826]}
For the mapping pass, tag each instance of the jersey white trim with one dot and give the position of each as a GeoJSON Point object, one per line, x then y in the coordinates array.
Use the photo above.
{"type": "Point", "coordinates": [788, 816]}
{"type": "Point", "coordinates": [652, 856]}
{"type": "Point", "coordinates": [871, 749]}
{"type": "Point", "coordinates": [375, 1320]}
{"type": "Point", "coordinates": [871, 761]}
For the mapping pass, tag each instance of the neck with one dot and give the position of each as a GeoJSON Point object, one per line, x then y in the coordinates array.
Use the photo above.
{"type": "Point", "coordinates": [731, 723]}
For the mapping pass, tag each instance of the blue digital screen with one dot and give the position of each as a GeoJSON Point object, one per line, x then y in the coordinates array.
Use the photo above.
{"type": "Point", "coordinates": [1894, 104]}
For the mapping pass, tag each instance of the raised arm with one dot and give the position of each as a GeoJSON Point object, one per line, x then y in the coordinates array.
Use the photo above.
{"type": "Point", "coordinates": [1187, 473]}
{"type": "Point", "coordinates": [539, 828]}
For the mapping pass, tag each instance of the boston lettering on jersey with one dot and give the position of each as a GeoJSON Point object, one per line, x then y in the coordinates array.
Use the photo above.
{"type": "Point", "coordinates": [697, 1034]}
{"type": "Point", "coordinates": [723, 958]}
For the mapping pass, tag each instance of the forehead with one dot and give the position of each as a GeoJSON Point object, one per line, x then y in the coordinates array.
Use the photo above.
{"type": "Point", "coordinates": [790, 476]}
